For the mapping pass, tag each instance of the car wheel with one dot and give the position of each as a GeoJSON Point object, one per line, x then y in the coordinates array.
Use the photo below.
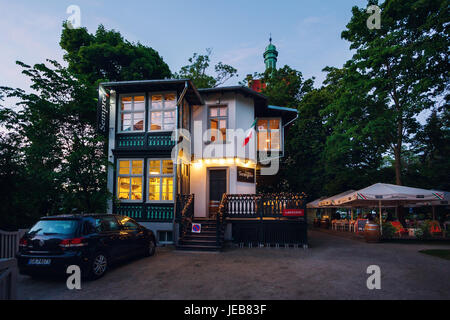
{"type": "Point", "coordinates": [151, 248]}
{"type": "Point", "coordinates": [98, 266]}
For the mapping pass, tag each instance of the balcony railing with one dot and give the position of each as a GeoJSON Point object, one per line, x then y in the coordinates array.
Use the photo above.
{"type": "Point", "coordinates": [262, 205]}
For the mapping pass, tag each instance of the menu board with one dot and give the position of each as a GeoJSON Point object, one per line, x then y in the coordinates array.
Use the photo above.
{"type": "Point", "coordinates": [361, 224]}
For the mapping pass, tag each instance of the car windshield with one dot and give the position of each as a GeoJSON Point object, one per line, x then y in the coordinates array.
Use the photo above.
{"type": "Point", "coordinates": [49, 227]}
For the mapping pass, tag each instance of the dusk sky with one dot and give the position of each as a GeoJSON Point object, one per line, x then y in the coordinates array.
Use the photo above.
{"type": "Point", "coordinates": [306, 33]}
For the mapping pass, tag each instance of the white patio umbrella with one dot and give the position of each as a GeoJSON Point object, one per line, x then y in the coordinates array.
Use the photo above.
{"type": "Point", "coordinates": [383, 194]}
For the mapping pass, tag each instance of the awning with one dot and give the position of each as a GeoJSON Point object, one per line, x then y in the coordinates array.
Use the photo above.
{"type": "Point", "coordinates": [331, 201]}
{"type": "Point", "coordinates": [388, 194]}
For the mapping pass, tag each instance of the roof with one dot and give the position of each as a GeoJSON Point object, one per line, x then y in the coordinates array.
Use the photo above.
{"type": "Point", "coordinates": [384, 192]}
{"type": "Point", "coordinates": [246, 91]}
{"type": "Point", "coordinates": [192, 93]}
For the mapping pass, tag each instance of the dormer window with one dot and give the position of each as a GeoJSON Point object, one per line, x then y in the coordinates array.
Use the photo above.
{"type": "Point", "coordinates": [162, 111]}
{"type": "Point", "coordinates": [132, 113]}
{"type": "Point", "coordinates": [269, 137]}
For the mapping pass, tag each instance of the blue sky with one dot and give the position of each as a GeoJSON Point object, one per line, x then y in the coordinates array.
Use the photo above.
{"type": "Point", "coordinates": [306, 33]}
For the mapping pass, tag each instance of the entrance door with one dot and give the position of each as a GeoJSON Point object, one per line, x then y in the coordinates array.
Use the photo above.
{"type": "Point", "coordinates": [217, 187]}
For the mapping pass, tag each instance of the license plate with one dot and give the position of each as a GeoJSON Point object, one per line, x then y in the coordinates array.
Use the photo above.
{"type": "Point", "coordinates": [39, 261]}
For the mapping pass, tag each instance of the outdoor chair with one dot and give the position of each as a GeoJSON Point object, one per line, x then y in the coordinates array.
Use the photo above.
{"type": "Point", "coordinates": [399, 230]}
{"type": "Point", "coordinates": [435, 228]}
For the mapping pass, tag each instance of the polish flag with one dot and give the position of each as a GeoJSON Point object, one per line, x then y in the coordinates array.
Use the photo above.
{"type": "Point", "coordinates": [249, 134]}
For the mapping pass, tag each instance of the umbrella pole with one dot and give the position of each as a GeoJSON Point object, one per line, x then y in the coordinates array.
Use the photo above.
{"type": "Point", "coordinates": [381, 218]}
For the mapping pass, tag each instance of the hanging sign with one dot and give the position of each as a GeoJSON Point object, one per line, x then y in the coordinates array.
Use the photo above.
{"type": "Point", "coordinates": [196, 228]}
{"type": "Point", "coordinates": [245, 175]}
{"type": "Point", "coordinates": [102, 111]}
{"type": "Point", "coordinates": [293, 212]}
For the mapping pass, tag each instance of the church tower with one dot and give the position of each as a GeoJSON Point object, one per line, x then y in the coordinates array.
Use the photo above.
{"type": "Point", "coordinates": [270, 56]}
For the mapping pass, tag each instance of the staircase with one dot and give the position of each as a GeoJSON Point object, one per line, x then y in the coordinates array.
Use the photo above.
{"type": "Point", "coordinates": [206, 240]}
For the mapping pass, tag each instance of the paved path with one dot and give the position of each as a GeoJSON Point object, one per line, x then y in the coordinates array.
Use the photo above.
{"type": "Point", "coordinates": [333, 268]}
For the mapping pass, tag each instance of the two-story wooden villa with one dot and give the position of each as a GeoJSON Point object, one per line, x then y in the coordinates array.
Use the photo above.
{"type": "Point", "coordinates": [181, 155]}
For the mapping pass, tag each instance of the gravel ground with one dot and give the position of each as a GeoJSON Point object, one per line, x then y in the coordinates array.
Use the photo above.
{"type": "Point", "coordinates": [332, 268]}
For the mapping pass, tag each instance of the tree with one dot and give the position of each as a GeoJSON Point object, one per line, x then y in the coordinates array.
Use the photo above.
{"type": "Point", "coordinates": [197, 70]}
{"type": "Point", "coordinates": [106, 56]}
{"type": "Point", "coordinates": [54, 157]}
{"type": "Point", "coordinates": [286, 87]}
{"type": "Point", "coordinates": [405, 63]}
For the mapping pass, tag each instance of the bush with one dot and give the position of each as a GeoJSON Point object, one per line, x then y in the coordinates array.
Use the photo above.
{"type": "Point", "coordinates": [423, 231]}
{"type": "Point", "coordinates": [388, 230]}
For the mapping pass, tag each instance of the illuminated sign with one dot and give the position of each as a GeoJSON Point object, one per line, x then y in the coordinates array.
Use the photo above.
{"type": "Point", "coordinates": [102, 111]}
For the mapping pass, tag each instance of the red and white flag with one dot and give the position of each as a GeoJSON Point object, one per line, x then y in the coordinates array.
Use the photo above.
{"type": "Point", "coordinates": [249, 134]}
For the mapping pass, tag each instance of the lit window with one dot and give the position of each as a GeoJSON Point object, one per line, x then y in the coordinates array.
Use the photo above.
{"type": "Point", "coordinates": [218, 123]}
{"type": "Point", "coordinates": [132, 113]}
{"type": "Point", "coordinates": [160, 180]}
{"type": "Point", "coordinates": [129, 180]}
{"type": "Point", "coordinates": [162, 112]}
{"type": "Point", "coordinates": [269, 138]}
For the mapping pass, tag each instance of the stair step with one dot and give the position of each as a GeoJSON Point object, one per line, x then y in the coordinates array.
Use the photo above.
{"type": "Point", "coordinates": [194, 247]}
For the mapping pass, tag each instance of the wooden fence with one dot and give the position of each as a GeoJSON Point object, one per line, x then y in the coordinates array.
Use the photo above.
{"type": "Point", "coordinates": [8, 279]}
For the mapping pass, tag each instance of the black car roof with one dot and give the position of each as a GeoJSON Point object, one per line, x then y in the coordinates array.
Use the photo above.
{"type": "Point", "coordinates": [76, 216]}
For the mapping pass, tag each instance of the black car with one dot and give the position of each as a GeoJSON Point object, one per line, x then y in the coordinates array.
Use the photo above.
{"type": "Point", "coordinates": [90, 241]}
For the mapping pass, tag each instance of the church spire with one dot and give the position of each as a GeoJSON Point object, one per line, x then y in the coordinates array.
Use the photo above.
{"type": "Point", "coordinates": [270, 55]}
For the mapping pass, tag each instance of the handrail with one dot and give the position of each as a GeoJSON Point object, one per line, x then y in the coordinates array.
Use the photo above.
{"type": "Point", "coordinates": [186, 213]}
{"type": "Point", "coordinates": [220, 219]}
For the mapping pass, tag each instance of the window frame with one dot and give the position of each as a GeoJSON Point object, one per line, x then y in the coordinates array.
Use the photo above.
{"type": "Point", "coordinates": [150, 110]}
{"type": "Point", "coordinates": [130, 175]}
{"type": "Point", "coordinates": [208, 115]}
{"type": "Point", "coordinates": [120, 111]}
{"type": "Point", "coordinates": [160, 176]}
{"type": "Point", "coordinates": [281, 150]}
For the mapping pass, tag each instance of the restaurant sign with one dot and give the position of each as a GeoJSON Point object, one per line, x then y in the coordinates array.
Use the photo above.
{"type": "Point", "coordinates": [293, 212]}
{"type": "Point", "coordinates": [102, 111]}
{"type": "Point", "coordinates": [245, 175]}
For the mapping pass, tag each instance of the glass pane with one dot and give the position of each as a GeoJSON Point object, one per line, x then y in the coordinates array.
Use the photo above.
{"type": "Point", "coordinates": [138, 124]}
{"type": "Point", "coordinates": [214, 124]}
{"type": "Point", "coordinates": [153, 189]}
{"type": "Point", "coordinates": [169, 101]}
{"type": "Point", "coordinates": [222, 124]}
{"type": "Point", "coordinates": [263, 140]}
{"type": "Point", "coordinates": [137, 167]}
{"type": "Point", "coordinates": [156, 121]}
{"type": "Point", "coordinates": [262, 124]}
{"type": "Point", "coordinates": [126, 103]}
{"type": "Point", "coordinates": [139, 103]}
{"type": "Point", "coordinates": [223, 112]}
{"type": "Point", "coordinates": [123, 184]}
{"type": "Point", "coordinates": [167, 167]}
{"type": "Point", "coordinates": [124, 167]}
{"type": "Point", "coordinates": [169, 120]}
{"type": "Point", "coordinates": [223, 131]}
{"type": "Point", "coordinates": [213, 112]}
{"type": "Point", "coordinates": [167, 189]}
{"type": "Point", "coordinates": [126, 116]}
{"type": "Point", "coordinates": [274, 124]}
{"type": "Point", "coordinates": [126, 125]}
{"type": "Point", "coordinates": [275, 139]}
{"type": "Point", "coordinates": [136, 188]}
{"type": "Point", "coordinates": [154, 167]}
{"type": "Point", "coordinates": [156, 101]}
